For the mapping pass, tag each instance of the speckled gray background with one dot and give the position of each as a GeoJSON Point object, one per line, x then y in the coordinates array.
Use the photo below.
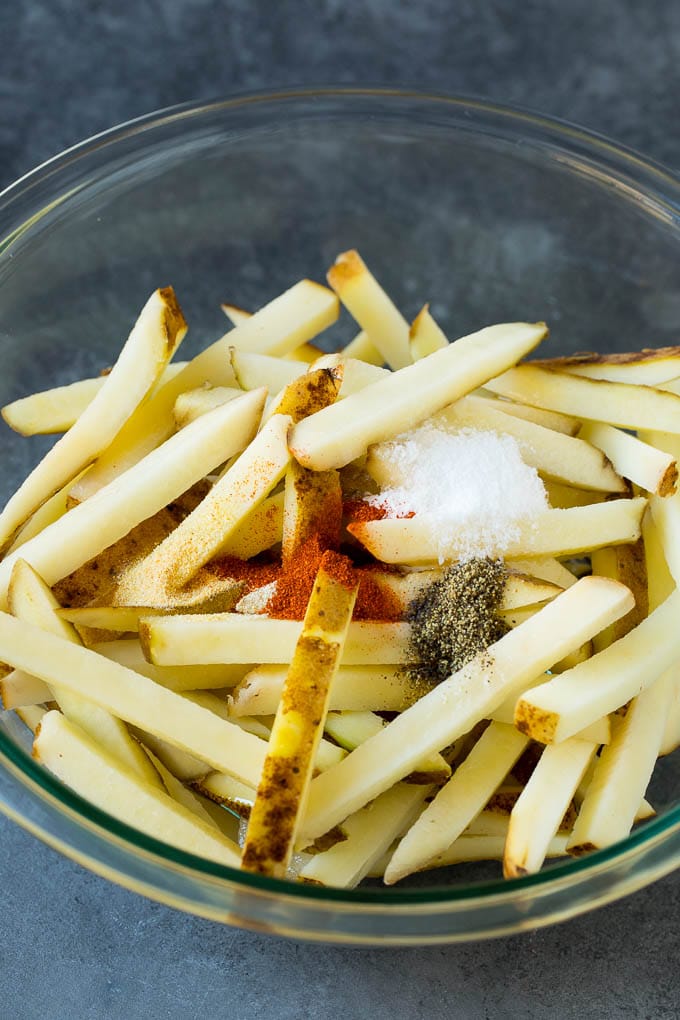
{"type": "Point", "coordinates": [73, 946]}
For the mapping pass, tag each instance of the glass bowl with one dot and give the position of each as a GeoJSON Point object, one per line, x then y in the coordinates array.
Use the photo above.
{"type": "Point", "coordinates": [491, 214]}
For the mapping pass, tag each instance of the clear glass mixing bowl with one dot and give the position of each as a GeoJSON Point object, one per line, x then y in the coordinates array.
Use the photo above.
{"type": "Point", "coordinates": [488, 212]}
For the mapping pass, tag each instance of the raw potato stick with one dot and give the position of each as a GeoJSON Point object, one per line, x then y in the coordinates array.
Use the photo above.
{"type": "Point", "coordinates": [630, 406]}
{"type": "Point", "coordinates": [459, 801]}
{"type": "Point", "coordinates": [561, 707]}
{"type": "Point", "coordinates": [540, 807]}
{"type": "Point", "coordinates": [648, 367]}
{"type": "Point", "coordinates": [200, 535]}
{"type": "Point", "coordinates": [368, 835]}
{"type": "Point", "coordinates": [234, 637]}
{"type": "Point", "coordinates": [296, 315]}
{"type": "Point", "coordinates": [355, 688]}
{"type": "Point", "coordinates": [194, 403]}
{"type": "Point", "coordinates": [133, 698]}
{"type": "Point", "coordinates": [425, 336]}
{"type": "Point", "coordinates": [488, 848]}
{"type": "Point", "coordinates": [415, 540]}
{"type": "Point", "coordinates": [255, 370]}
{"type": "Point", "coordinates": [454, 706]}
{"type": "Point", "coordinates": [155, 336]}
{"type": "Point", "coordinates": [375, 312]}
{"type": "Point", "coordinates": [363, 349]}
{"type": "Point", "coordinates": [142, 491]}
{"type": "Point", "coordinates": [651, 469]}
{"type": "Point", "coordinates": [74, 758]}
{"type": "Point", "coordinates": [342, 432]}
{"type": "Point", "coordinates": [299, 723]}
{"type": "Point", "coordinates": [54, 410]}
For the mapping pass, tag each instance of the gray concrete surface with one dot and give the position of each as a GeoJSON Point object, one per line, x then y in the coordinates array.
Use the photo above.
{"type": "Point", "coordinates": [74, 946]}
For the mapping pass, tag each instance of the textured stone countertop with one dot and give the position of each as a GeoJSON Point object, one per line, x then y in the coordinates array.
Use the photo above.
{"type": "Point", "coordinates": [75, 946]}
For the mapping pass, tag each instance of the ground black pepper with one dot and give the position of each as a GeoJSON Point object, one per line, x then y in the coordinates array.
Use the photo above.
{"type": "Point", "coordinates": [456, 617]}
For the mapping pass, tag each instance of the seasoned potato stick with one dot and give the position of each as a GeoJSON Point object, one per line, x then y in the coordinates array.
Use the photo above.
{"type": "Point", "coordinates": [312, 506]}
{"type": "Point", "coordinates": [369, 833]}
{"type": "Point", "coordinates": [459, 801]}
{"type": "Point", "coordinates": [298, 725]}
{"type": "Point", "coordinates": [162, 476]}
{"type": "Point", "coordinates": [54, 410]}
{"type": "Point", "coordinates": [561, 707]}
{"type": "Point", "coordinates": [152, 342]}
{"type": "Point", "coordinates": [75, 758]}
{"type": "Point", "coordinates": [425, 336]}
{"type": "Point", "coordinates": [540, 807]}
{"type": "Point", "coordinates": [356, 375]}
{"type": "Point", "coordinates": [552, 533]}
{"type": "Point", "coordinates": [200, 535]}
{"type": "Point", "coordinates": [32, 601]}
{"type": "Point", "coordinates": [133, 698]}
{"type": "Point", "coordinates": [235, 637]}
{"type": "Point", "coordinates": [375, 312]}
{"type": "Point", "coordinates": [310, 393]}
{"type": "Point", "coordinates": [260, 530]}
{"type": "Point", "coordinates": [454, 706]}
{"type": "Point", "coordinates": [651, 469]}
{"type": "Point", "coordinates": [355, 688]}
{"type": "Point", "coordinates": [614, 403]}
{"type": "Point", "coordinates": [342, 432]}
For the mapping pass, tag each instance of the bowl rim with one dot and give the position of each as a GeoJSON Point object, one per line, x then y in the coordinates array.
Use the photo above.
{"type": "Point", "coordinates": [621, 164]}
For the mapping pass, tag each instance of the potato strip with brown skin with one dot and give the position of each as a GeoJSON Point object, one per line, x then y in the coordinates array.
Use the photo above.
{"type": "Point", "coordinates": [299, 722]}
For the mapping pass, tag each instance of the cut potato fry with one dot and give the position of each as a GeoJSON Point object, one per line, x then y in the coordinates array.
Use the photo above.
{"type": "Point", "coordinates": [349, 729]}
{"type": "Point", "coordinates": [614, 403]}
{"type": "Point", "coordinates": [520, 590]}
{"type": "Point", "coordinates": [574, 461]}
{"type": "Point", "coordinates": [75, 758]}
{"type": "Point", "coordinates": [254, 370]}
{"type": "Point", "coordinates": [540, 807]}
{"type": "Point", "coordinates": [623, 770]}
{"type": "Point", "coordinates": [342, 432]}
{"type": "Point", "coordinates": [356, 375]}
{"type": "Point", "coordinates": [175, 678]}
{"type": "Point", "coordinates": [312, 506]}
{"type": "Point", "coordinates": [235, 637]}
{"type": "Point", "coordinates": [369, 833]}
{"type": "Point", "coordinates": [183, 766]}
{"type": "Point", "coordinates": [32, 716]}
{"type": "Point", "coordinates": [459, 801]}
{"type": "Point", "coordinates": [643, 368]}
{"type": "Point", "coordinates": [133, 698]}
{"type": "Point", "coordinates": [551, 533]}
{"type": "Point", "coordinates": [309, 393]}
{"type": "Point", "coordinates": [375, 312]}
{"type": "Point", "coordinates": [666, 517]}
{"type": "Point", "coordinates": [118, 619]}
{"type": "Point", "coordinates": [563, 497]}
{"type": "Point", "coordinates": [488, 848]}
{"type": "Point", "coordinates": [138, 494]}
{"type": "Point", "coordinates": [298, 725]}
{"type": "Point", "coordinates": [355, 688]}
{"type": "Point", "coordinates": [548, 419]}
{"type": "Point", "coordinates": [468, 696]}
{"type": "Point", "coordinates": [201, 535]}
{"type": "Point", "coordinates": [54, 410]}
{"type": "Point", "coordinates": [425, 336]}
{"type": "Point", "coordinates": [228, 792]}
{"type": "Point", "coordinates": [561, 707]}
{"type": "Point", "coordinates": [260, 530]}
{"type": "Point", "coordinates": [545, 568]}
{"type": "Point", "coordinates": [651, 469]}
{"type": "Point", "coordinates": [155, 336]}
{"type": "Point", "coordinates": [191, 405]}
{"type": "Point", "coordinates": [32, 601]}
{"type": "Point", "coordinates": [598, 732]}
{"type": "Point", "coordinates": [363, 349]}
{"type": "Point", "coordinates": [21, 690]}
{"type": "Point", "coordinates": [624, 563]}
{"type": "Point", "coordinates": [179, 792]}
{"type": "Point", "coordinates": [51, 510]}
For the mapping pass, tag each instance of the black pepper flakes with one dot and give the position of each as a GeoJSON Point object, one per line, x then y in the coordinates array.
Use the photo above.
{"type": "Point", "coordinates": [456, 617]}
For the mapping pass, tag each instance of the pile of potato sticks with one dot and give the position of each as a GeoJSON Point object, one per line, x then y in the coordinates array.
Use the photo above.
{"type": "Point", "coordinates": [161, 694]}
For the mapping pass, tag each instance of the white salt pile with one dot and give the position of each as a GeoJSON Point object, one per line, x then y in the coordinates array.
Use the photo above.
{"type": "Point", "coordinates": [471, 483]}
